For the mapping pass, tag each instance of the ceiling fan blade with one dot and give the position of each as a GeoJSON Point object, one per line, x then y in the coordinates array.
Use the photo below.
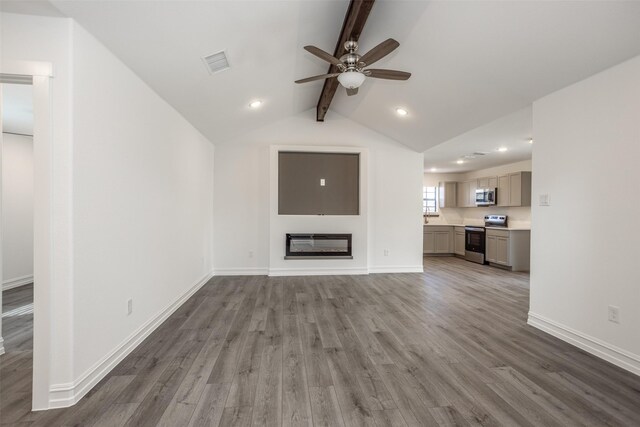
{"type": "Point", "coordinates": [352, 92]}
{"type": "Point", "coordinates": [323, 55]}
{"type": "Point", "coordinates": [380, 51]}
{"type": "Point", "coordinates": [320, 77]}
{"type": "Point", "coordinates": [387, 74]}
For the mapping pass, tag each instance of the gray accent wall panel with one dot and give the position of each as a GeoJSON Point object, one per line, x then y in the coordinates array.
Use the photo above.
{"type": "Point", "coordinates": [299, 189]}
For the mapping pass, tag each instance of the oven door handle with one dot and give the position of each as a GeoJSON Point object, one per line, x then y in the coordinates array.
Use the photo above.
{"type": "Point", "coordinates": [474, 229]}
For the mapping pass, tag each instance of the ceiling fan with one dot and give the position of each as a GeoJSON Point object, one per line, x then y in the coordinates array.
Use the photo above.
{"type": "Point", "coordinates": [351, 66]}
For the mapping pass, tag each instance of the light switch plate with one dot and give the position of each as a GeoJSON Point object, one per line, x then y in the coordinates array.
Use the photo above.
{"type": "Point", "coordinates": [614, 314]}
{"type": "Point", "coordinates": [544, 200]}
{"type": "Point", "coordinates": [322, 182]}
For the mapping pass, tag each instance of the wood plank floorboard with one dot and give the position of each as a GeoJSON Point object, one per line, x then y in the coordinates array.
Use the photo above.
{"type": "Point", "coordinates": [446, 347]}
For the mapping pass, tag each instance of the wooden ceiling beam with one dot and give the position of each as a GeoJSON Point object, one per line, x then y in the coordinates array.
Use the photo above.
{"type": "Point", "coordinates": [354, 21]}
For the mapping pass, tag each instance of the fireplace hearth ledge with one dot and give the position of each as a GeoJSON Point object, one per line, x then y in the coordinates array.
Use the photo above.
{"type": "Point", "coordinates": [320, 257]}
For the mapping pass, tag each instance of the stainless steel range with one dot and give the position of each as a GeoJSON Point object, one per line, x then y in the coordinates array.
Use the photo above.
{"type": "Point", "coordinates": [495, 220]}
{"type": "Point", "coordinates": [475, 241]}
{"type": "Point", "coordinates": [474, 245]}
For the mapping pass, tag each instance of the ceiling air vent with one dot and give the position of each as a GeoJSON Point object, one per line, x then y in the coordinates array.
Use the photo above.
{"type": "Point", "coordinates": [216, 62]}
{"type": "Point", "coordinates": [480, 153]}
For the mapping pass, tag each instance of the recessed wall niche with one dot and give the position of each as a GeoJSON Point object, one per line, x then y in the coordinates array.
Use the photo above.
{"type": "Point", "coordinates": [312, 183]}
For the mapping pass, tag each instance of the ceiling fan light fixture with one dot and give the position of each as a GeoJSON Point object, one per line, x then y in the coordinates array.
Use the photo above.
{"type": "Point", "coordinates": [351, 79]}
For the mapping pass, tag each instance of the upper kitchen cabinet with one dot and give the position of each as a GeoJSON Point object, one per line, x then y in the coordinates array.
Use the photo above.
{"type": "Point", "coordinates": [467, 194]}
{"type": "Point", "coordinates": [488, 182]}
{"type": "Point", "coordinates": [463, 194]}
{"type": "Point", "coordinates": [514, 189]}
{"type": "Point", "coordinates": [447, 194]}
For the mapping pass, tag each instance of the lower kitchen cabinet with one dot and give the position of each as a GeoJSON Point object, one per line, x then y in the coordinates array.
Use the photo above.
{"type": "Point", "coordinates": [491, 248]}
{"type": "Point", "coordinates": [497, 250]}
{"type": "Point", "coordinates": [429, 242]}
{"type": "Point", "coordinates": [458, 240]}
{"type": "Point", "coordinates": [437, 239]}
{"type": "Point", "coordinates": [508, 248]}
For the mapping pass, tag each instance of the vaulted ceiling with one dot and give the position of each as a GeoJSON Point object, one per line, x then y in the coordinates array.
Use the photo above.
{"type": "Point", "coordinates": [472, 61]}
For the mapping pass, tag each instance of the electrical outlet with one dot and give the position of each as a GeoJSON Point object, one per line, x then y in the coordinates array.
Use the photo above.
{"type": "Point", "coordinates": [386, 252]}
{"type": "Point", "coordinates": [614, 314]}
{"type": "Point", "coordinates": [544, 200]}
{"type": "Point", "coordinates": [129, 306]}
{"type": "Point", "coordinates": [250, 254]}
{"type": "Point", "coordinates": [322, 182]}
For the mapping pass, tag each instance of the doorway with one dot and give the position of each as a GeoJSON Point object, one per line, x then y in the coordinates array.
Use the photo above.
{"type": "Point", "coordinates": [16, 239]}
{"type": "Point", "coordinates": [37, 75]}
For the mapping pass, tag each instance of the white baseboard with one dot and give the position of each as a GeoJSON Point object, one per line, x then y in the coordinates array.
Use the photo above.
{"type": "Point", "coordinates": [16, 282]}
{"type": "Point", "coordinates": [396, 269]}
{"type": "Point", "coordinates": [601, 349]}
{"type": "Point", "coordinates": [65, 395]}
{"type": "Point", "coordinates": [316, 271]}
{"type": "Point", "coordinates": [249, 271]}
{"type": "Point", "coordinates": [1, 346]}
{"type": "Point", "coordinates": [256, 271]}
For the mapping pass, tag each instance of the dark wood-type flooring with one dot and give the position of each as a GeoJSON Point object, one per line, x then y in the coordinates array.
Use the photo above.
{"type": "Point", "coordinates": [446, 347]}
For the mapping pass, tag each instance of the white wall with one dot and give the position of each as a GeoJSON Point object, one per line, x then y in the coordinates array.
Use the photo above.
{"type": "Point", "coordinates": [17, 210]}
{"type": "Point", "coordinates": [585, 244]}
{"type": "Point", "coordinates": [132, 213]}
{"type": "Point", "coordinates": [142, 205]}
{"type": "Point", "coordinates": [518, 216]}
{"type": "Point", "coordinates": [244, 224]}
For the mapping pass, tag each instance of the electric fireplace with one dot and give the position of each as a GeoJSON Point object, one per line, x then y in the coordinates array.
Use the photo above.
{"type": "Point", "coordinates": [318, 246]}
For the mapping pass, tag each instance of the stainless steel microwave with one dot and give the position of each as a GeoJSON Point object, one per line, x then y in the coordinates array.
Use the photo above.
{"type": "Point", "coordinates": [486, 196]}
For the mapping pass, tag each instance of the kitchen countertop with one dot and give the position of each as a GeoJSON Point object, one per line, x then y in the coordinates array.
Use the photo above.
{"type": "Point", "coordinates": [516, 228]}
{"type": "Point", "coordinates": [510, 228]}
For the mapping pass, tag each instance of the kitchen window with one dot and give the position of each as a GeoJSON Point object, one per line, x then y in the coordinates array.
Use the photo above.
{"type": "Point", "coordinates": [429, 203]}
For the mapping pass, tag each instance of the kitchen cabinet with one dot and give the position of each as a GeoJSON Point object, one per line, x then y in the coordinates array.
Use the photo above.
{"type": "Point", "coordinates": [473, 185]}
{"type": "Point", "coordinates": [488, 182]}
{"type": "Point", "coordinates": [447, 194]}
{"type": "Point", "coordinates": [463, 194]}
{"type": "Point", "coordinates": [514, 189]}
{"type": "Point", "coordinates": [437, 239]}
{"type": "Point", "coordinates": [491, 248]}
{"type": "Point", "coordinates": [428, 243]}
{"type": "Point", "coordinates": [442, 239]}
{"type": "Point", "coordinates": [466, 197]}
{"type": "Point", "coordinates": [508, 248]}
{"type": "Point", "coordinates": [458, 240]}
{"type": "Point", "coordinates": [502, 251]}
{"type": "Point", "coordinates": [503, 190]}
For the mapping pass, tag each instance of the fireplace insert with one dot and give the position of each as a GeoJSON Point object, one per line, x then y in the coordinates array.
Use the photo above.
{"type": "Point", "coordinates": [326, 246]}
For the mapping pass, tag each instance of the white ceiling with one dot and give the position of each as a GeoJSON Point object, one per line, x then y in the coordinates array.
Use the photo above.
{"type": "Point", "coordinates": [472, 61]}
{"type": "Point", "coordinates": [30, 7]}
{"type": "Point", "coordinates": [17, 109]}
{"type": "Point", "coordinates": [512, 132]}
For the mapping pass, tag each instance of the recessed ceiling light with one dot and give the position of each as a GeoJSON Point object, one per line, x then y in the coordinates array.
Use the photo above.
{"type": "Point", "coordinates": [502, 149]}
{"type": "Point", "coordinates": [531, 141]}
{"type": "Point", "coordinates": [460, 162]}
{"type": "Point", "coordinates": [401, 111]}
{"type": "Point", "coordinates": [433, 169]}
{"type": "Point", "coordinates": [255, 104]}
